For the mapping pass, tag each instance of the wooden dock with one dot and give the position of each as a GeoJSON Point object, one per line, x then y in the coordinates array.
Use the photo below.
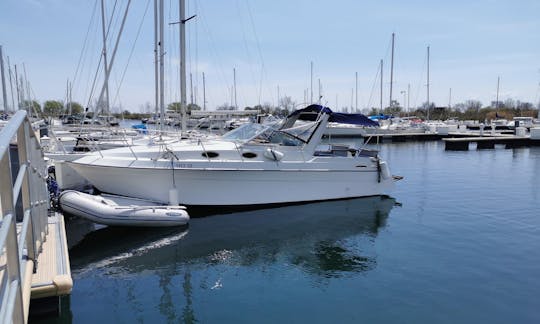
{"type": "Point", "coordinates": [34, 259]}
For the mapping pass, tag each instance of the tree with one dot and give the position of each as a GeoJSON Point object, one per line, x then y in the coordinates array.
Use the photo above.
{"type": "Point", "coordinates": [53, 107]}
{"type": "Point", "coordinates": [76, 108]}
{"type": "Point", "coordinates": [174, 106]}
{"type": "Point", "coordinates": [286, 103]}
{"type": "Point", "coordinates": [32, 106]}
{"type": "Point", "coordinates": [225, 106]}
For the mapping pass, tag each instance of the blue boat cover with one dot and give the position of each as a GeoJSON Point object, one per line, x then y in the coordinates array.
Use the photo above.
{"type": "Point", "coordinates": [380, 117]}
{"type": "Point", "coordinates": [354, 119]}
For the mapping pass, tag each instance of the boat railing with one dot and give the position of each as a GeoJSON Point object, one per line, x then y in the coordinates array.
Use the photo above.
{"type": "Point", "coordinates": [18, 253]}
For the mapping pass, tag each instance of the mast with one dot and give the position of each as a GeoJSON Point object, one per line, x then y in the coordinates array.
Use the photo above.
{"type": "Point", "coordinates": [428, 104]}
{"type": "Point", "coordinates": [356, 83]}
{"type": "Point", "coordinates": [191, 88]}
{"type": "Point", "coordinates": [182, 10]}
{"type": "Point", "coordinates": [235, 98]}
{"type": "Point", "coordinates": [278, 95]}
{"type": "Point", "coordinates": [320, 90]}
{"type": "Point", "coordinates": [497, 100]}
{"type": "Point", "coordinates": [156, 70]}
{"type": "Point", "coordinates": [352, 99]}
{"type": "Point", "coordinates": [17, 88]}
{"type": "Point", "coordinates": [113, 56]}
{"type": "Point", "coordinates": [381, 86]}
{"type": "Point", "coordinates": [450, 99]}
{"type": "Point", "coordinates": [204, 92]}
{"type": "Point", "coordinates": [105, 65]}
{"type": "Point", "coordinates": [4, 93]}
{"type": "Point", "coordinates": [311, 100]}
{"type": "Point", "coordinates": [391, 70]}
{"type": "Point", "coordinates": [11, 86]}
{"type": "Point", "coordinates": [161, 69]}
{"type": "Point", "coordinates": [408, 98]}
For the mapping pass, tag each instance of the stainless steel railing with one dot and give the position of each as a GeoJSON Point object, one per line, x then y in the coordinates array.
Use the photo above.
{"type": "Point", "coordinates": [19, 253]}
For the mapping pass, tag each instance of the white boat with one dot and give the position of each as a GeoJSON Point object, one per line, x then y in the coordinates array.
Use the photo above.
{"type": "Point", "coordinates": [251, 165]}
{"type": "Point", "coordinates": [121, 211]}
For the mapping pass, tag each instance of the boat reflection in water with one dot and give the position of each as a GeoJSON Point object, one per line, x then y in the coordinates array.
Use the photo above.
{"type": "Point", "coordinates": [243, 253]}
{"type": "Point", "coordinates": [311, 234]}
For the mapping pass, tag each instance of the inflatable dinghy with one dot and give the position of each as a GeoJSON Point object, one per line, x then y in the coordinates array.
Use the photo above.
{"type": "Point", "coordinates": [121, 211]}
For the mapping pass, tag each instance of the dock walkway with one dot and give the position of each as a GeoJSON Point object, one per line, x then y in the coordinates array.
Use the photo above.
{"type": "Point", "coordinates": [34, 259]}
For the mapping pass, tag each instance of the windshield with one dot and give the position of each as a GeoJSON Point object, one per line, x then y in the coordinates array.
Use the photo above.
{"type": "Point", "coordinates": [301, 130]}
{"type": "Point", "coordinates": [245, 132]}
{"type": "Point", "coordinates": [262, 134]}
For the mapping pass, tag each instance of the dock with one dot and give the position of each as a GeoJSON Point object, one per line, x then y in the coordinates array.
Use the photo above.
{"type": "Point", "coordinates": [34, 260]}
{"type": "Point", "coordinates": [488, 142]}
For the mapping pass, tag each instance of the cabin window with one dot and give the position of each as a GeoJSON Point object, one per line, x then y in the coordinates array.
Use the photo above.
{"type": "Point", "coordinates": [210, 155]}
{"type": "Point", "coordinates": [249, 155]}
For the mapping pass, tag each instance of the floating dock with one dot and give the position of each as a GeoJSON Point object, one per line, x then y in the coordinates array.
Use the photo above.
{"type": "Point", "coordinates": [34, 259]}
{"type": "Point", "coordinates": [489, 142]}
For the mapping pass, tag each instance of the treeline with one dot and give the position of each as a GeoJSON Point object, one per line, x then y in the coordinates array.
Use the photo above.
{"type": "Point", "coordinates": [468, 110]}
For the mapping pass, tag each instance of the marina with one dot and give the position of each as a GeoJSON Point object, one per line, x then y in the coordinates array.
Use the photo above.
{"type": "Point", "coordinates": [253, 162]}
{"type": "Point", "coordinates": [415, 256]}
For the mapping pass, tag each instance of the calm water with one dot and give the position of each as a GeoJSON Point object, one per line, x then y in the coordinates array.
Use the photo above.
{"type": "Point", "coordinates": [457, 241]}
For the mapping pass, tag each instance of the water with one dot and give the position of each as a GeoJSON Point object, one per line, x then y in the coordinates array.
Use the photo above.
{"type": "Point", "coordinates": [458, 241]}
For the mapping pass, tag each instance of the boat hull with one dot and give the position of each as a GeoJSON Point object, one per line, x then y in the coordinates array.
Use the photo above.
{"type": "Point", "coordinates": [236, 187]}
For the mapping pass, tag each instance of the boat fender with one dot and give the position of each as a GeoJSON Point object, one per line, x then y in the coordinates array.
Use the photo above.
{"type": "Point", "coordinates": [273, 154]}
{"type": "Point", "coordinates": [173, 197]}
{"type": "Point", "coordinates": [385, 171]}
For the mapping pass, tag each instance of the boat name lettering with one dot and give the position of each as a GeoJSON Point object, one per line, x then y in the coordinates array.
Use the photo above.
{"type": "Point", "coordinates": [183, 165]}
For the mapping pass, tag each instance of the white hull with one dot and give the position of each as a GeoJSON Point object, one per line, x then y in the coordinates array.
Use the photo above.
{"type": "Point", "coordinates": [252, 165]}
{"type": "Point", "coordinates": [105, 211]}
{"type": "Point", "coordinates": [219, 187]}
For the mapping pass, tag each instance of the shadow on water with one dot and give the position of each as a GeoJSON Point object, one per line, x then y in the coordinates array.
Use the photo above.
{"type": "Point", "coordinates": [323, 240]}
{"type": "Point", "coordinates": [310, 234]}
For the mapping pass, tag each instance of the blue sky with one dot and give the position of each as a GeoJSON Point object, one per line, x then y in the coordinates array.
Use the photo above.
{"type": "Point", "coordinates": [271, 45]}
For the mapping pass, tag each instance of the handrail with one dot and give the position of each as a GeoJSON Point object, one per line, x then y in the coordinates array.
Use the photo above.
{"type": "Point", "coordinates": [29, 184]}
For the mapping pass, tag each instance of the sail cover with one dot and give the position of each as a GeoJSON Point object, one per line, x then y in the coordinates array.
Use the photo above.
{"type": "Point", "coordinates": [310, 113]}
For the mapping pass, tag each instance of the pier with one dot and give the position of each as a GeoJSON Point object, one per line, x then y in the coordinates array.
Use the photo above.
{"type": "Point", "coordinates": [488, 142]}
{"type": "Point", "coordinates": [34, 258]}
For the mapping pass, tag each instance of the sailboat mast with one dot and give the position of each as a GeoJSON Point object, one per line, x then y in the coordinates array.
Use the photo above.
{"type": "Point", "coordinates": [428, 104]}
{"type": "Point", "coordinates": [204, 91]}
{"type": "Point", "coordinates": [450, 99]}
{"type": "Point", "coordinates": [497, 100]}
{"type": "Point", "coordinates": [356, 84]}
{"type": "Point", "coordinates": [161, 68]}
{"type": "Point", "coordinates": [311, 100]}
{"type": "Point", "coordinates": [392, 70]}
{"type": "Point", "coordinates": [105, 65]}
{"type": "Point", "coordinates": [381, 86]}
{"type": "Point", "coordinates": [11, 85]}
{"type": "Point", "coordinates": [235, 98]}
{"type": "Point", "coordinates": [17, 88]}
{"type": "Point", "coordinates": [156, 70]}
{"type": "Point", "coordinates": [182, 9]}
{"type": "Point", "coordinates": [4, 93]}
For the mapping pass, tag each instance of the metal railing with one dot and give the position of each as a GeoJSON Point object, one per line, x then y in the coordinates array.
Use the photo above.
{"type": "Point", "coordinates": [19, 253]}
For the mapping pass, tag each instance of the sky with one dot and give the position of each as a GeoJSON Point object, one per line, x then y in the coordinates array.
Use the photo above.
{"type": "Point", "coordinates": [271, 46]}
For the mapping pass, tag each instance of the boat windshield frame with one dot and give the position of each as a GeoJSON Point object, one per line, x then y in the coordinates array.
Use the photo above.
{"type": "Point", "coordinates": [263, 134]}
{"type": "Point", "coordinates": [246, 132]}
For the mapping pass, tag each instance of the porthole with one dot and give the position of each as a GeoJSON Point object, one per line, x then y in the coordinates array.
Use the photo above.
{"type": "Point", "coordinates": [210, 154]}
{"type": "Point", "coordinates": [249, 155]}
